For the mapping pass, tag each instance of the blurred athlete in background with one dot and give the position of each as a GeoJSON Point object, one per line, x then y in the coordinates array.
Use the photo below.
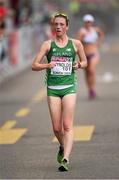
{"type": "Point", "coordinates": [91, 36]}
{"type": "Point", "coordinates": [50, 31]}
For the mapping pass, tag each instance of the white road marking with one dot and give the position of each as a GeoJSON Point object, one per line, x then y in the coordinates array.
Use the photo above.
{"type": "Point", "coordinates": [108, 77]}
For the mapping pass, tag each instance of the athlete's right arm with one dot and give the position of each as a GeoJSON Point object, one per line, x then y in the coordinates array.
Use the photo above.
{"type": "Point", "coordinates": [80, 34]}
{"type": "Point", "coordinates": [37, 65]}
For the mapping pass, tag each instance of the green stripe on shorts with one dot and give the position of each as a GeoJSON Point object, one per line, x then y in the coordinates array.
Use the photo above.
{"type": "Point", "coordinates": [61, 92]}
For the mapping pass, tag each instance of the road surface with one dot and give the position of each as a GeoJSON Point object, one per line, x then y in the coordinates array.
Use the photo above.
{"type": "Point", "coordinates": [27, 146]}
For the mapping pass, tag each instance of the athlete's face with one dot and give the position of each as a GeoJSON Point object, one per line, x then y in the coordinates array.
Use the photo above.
{"type": "Point", "coordinates": [60, 26]}
{"type": "Point", "coordinates": [88, 23]}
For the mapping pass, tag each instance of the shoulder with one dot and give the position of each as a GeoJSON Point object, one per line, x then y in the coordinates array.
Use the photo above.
{"type": "Point", "coordinates": [46, 45]}
{"type": "Point", "coordinates": [81, 33]}
{"type": "Point", "coordinates": [76, 43]}
{"type": "Point", "coordinates": [82, 30]}
{"type": "Point", "coordinates": [97, 29]}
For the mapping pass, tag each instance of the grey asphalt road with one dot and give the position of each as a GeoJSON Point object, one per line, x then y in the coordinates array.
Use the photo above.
{"type": "Point", "coordinates": [27, 150]}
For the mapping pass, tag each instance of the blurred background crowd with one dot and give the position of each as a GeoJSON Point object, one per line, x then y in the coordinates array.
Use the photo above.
{"type": "Point", "coordinates": [24, 25]}
{"type": "Point", "coordinates": [17, 13]}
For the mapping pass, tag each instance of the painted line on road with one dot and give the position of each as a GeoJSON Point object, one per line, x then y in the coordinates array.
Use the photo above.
{"type": "Point", "coordinates": [8, 125]}
{"type": "Point", "coordinates": [39, 96]}
{"type": "Point", "coordinates": [10, 136]}
{"type": "Point", "coordinates": [36, 98]}
{"type": "Point", "coordinates": [82, 133]}
{"type": "Point", "coordinates": [108, 77]}
{"type": "Point", "coordinates": [22, 112]}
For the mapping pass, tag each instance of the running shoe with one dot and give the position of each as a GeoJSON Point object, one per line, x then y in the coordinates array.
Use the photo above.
{"type": "Point", "coordinates": [92, 94]}
{"type": "Point", "coordinates": [60, 154]}
{"type": "Point", "coordinates": [64, 165]}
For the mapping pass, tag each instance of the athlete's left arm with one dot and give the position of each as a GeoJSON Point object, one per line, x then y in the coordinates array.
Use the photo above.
{"type": "Point", "coordinates": [82, 63]}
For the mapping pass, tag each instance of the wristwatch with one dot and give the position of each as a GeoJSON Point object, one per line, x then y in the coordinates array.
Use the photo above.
{"type": "Point", "coordinates": [79, 65]}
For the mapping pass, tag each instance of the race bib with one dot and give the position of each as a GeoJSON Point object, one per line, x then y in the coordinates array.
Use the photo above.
{"type": "Point", "coordinates": [62, 68]}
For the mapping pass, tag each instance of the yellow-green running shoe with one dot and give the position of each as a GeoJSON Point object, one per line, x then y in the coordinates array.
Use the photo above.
{"type": "Point", "coordinates": [64, 165]}
{"type": "Point", "coordinates": [60, 154]}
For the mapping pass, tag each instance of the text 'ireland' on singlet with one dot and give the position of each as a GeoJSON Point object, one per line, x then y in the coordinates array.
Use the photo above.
{"type": "Point", "coordinates": [62, 73]}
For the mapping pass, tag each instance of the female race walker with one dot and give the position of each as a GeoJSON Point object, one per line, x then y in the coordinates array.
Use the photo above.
{"type": "Point", "coordinates": [61, 83]}
{"type": "Point", "coordinates": [91, 37]}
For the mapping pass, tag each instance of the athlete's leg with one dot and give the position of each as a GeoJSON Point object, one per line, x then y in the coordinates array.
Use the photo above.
{"type": "Point", "coordinates": [55, 109]}
{"type": "Point", "coordinates": [91, 74]}
{"type": "Point", "coordinates": [68, 106]}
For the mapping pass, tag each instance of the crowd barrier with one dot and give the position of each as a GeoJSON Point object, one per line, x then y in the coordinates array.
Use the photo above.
{"type": "Point", "coordinates": [18, 49]}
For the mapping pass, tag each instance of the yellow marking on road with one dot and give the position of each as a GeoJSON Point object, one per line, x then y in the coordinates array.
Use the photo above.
{"type": "Point", "coordinates": [10, 136]}
{"type": "Point", "coordinates": [22, 112]}
{"type": "Point", "coordinates": [40, 95]}
{"type": "Point", "coordinates": [82, 133]}
{"type": "Point", "coordinates": [8, 125]}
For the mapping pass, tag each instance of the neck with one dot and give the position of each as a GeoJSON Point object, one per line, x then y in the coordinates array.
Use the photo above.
{"type": "Point", "coordinates": [88, 27]}
{"type": "Point", "coordinates": [62, 38]}
{"type": "Point", "coordinates": [62, 41]}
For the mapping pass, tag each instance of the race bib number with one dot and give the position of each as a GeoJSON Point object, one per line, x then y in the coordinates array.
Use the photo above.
{"type": "Point", "coordinates": [62, 68]}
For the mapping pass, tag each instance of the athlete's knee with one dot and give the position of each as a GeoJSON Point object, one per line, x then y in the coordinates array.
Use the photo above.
{"type": "Point", "coordinates": [57, 129]}
{"type": "Point", "coordinates": [67, 127]}
{"type": "Point", "coordinates": [91, 71]}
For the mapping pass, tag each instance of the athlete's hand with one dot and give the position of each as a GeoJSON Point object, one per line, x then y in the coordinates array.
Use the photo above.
{"type": "Point", "coordinates": [75, 65]}
{"type": "Point", "coordinates": [52, 64]}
